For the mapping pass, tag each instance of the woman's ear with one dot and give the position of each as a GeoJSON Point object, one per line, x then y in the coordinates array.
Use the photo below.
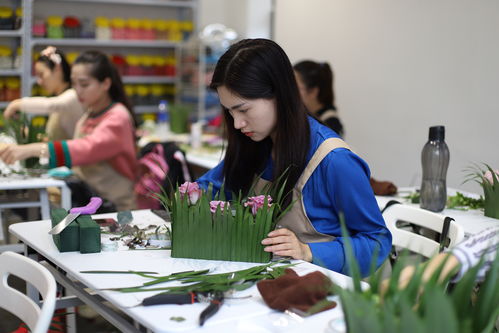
{"type": "Point", "coordinates": [314, 92]}
{"type": "Point", "coordinates": [106, 84]}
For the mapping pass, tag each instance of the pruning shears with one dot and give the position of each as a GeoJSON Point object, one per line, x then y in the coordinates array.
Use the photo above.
{"type": "Point", "coordinates": [215, 300]}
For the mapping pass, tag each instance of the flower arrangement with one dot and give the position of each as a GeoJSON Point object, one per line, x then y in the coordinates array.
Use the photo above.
{"type": "Point", "coordinates": [25, 130]}
{"type": "Point", "coordinates": [207, 226]}
{"type": "Point", "coordinates": [488, 179]}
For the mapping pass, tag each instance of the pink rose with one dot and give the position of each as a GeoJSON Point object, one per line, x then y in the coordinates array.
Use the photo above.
{"type": "Point", "coordinates": [488, 176]}
{"type": "Point", "coordinates": [215, 203]}
{"type": "Point", "coordinates": [192, 190]}
{"type": "Point", "coordinates": [257, 202]}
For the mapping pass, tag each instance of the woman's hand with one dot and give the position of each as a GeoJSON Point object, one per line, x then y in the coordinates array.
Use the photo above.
{"type": "Point", "coordinates": [283, 242]}
{"type": "Point", "coordinates": [12, 108]}
{"type": "Point", "coordinates": [13, 153]}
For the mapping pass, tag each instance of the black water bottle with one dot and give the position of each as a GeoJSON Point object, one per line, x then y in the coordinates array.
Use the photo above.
{"type": "Point", "coordinates": [435, 161]}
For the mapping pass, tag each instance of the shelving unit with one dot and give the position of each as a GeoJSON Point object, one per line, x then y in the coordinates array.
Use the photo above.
{"type": "Point", "coordinates": [153, 9]}
{"type": "Point", "coordinates": [196, 68]}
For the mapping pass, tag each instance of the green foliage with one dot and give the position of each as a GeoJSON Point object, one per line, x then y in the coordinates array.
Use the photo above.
{"type": "Point", "coordinates": [201, 281]}
{"type": "Point", "coordinates": [422, 306]}
{"type": "Point", "coordinates": [24, 130]}
{"type": "Point", "coordinates": [232, 233]}
{"type": "Point", "coordinates": [460, 201]}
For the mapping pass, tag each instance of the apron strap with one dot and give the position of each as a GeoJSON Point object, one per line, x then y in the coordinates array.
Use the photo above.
{"type": "Point", "coordinates": [325, 148]}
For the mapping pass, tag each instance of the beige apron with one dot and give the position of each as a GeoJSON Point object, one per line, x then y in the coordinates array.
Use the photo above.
{"type": "Point", "coordinates": [296, 219]}
{"type": "Point", "coordinates": [54, 129]}
{"type": "Point", "coordinates": [107, 182]}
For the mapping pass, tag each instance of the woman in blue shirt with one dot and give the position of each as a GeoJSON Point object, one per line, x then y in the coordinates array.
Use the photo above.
{"type": "Point", "coordinates": [269, 134]}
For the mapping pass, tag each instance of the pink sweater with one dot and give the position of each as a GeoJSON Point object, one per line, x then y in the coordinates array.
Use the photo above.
{"type": "Point", "coordinates": [108, 137]}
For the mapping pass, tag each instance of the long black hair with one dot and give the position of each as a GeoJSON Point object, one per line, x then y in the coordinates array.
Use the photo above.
{"type": "Point", "coordinates": [320, 75]}
{"type": "Point", "coordinates": [255, 69]}
{"type": "Point", "coordinates": [103, 68]}
{"type": "Point", "coordinates": [66, 69]}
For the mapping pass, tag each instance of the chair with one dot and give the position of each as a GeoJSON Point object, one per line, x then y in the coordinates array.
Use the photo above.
{"type": "Point", "coordinates": [449, 232]}
{"type": "Point", "coordinates": [37, 318]}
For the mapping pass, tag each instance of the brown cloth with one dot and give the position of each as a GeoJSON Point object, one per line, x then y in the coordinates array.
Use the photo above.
{"type": "Point", "coordinates": [291, 291]}
{"type": "Point", "coordinates": [383, 187]}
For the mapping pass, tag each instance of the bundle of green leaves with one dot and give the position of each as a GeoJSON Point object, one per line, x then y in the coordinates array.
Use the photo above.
{"type": "Point", "coordinates": [25, 130]}
{"type": "Point", "coordinates": [423, 305]}
{"type": "Point", "coordinates": [207, 226]}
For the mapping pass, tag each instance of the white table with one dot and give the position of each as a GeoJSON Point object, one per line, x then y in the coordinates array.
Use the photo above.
{"type": "Point", "coordinates": [472, 221]}
{"type": "Point", "coordinates": [203, 160]}
{"type": "Point", "coordinates": [250, 315]}
{"type": "Point", "coordinates": [18, 182]}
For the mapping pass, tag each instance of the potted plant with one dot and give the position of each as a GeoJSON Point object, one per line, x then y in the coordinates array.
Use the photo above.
{"type": "Point", "coordinates": [489, 181]}
{"type": "Point", "coordinates": [207, 226]}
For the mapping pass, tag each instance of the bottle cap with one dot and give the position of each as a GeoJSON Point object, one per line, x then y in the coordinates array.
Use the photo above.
{"type": "Point", "coordinates": [437, 133]}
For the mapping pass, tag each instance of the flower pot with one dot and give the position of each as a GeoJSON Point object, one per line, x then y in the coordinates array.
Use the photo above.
{"type": "Point", "coordinates": [491, 204]}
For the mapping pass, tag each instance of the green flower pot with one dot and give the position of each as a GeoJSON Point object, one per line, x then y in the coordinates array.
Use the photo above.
{"type": "Point", "coordinates": [491, 202]}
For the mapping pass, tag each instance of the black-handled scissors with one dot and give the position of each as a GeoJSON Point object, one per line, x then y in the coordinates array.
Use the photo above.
{"type": "Point", "coordinates": [216, 302]}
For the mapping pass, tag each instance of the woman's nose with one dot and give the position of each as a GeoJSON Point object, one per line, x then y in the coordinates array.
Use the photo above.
{"type": "Point", "coordinates": [239, 122]}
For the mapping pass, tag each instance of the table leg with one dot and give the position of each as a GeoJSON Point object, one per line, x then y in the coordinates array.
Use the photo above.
{"type": "Point", "coordinates": [65, 197]}
{"type": "Point", "coordinates": [110, 315]}
{"type": "Point", "coordinates": [1, 226]}
{"type": "Point", "coordinates": [44, 204]}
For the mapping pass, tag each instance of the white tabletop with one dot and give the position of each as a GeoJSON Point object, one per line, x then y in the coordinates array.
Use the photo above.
{"type": "Point", "coordinates": [249, 315]}
{"type": "Point", "coordinates": [472, 220]}
{"type": "Point", "coordinates": [20, 182]}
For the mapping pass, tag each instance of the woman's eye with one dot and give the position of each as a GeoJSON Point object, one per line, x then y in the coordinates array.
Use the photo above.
{"type": "Point", "coordinates": [243, 111]}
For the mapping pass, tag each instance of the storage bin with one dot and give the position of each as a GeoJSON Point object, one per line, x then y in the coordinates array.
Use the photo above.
{"type": "Point", "coordinates": [5, 57]}
{"type": "Point", "coordinates": [147, 62]}
{"type": "Point", "coordinates": [12, 88]}
{"type": "Point", "coordinates": [130, 93]}
{"type": "Point", "coordinates": [143, 94]}
{"type": "Point", "coordinates": [39, 28]}
{"type": "Point", "coordinates": [87, 28]}
{"type": "Point", "coordinates": [71, 57]}
{"type": "Point", "coordinates": [186, 28]}
{"type": "Point", "coordinates": [102, 28]}
{"type": "Point", "coordinates": [161, 29]}
{"type": "Point", "coordinates": [133, 65]}
{"type": "Point", "coordinates": [118, 29]}
{"type": "Point", "coordinates": [54, 27]}
{"type": "Point", "coordinates": [6, 18]}
{"type": "Point", "coordinates": [159, 64]}
{"type": "Point", "coordinates": [120, 63]}
{"type": "Point", "coordinates": [71, 27]}
{"type": "Point", "coordinates": [2, 89]}
{"type": "Point", "coordinates": [171, 64]}
{"type": "Point", "coordinates": [147, 29]}
{"type": "Point", "coordinates": [133, 29]}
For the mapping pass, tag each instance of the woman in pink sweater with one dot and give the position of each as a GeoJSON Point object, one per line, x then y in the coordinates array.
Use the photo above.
{"type": "Point", "coordinates": [102, 153]}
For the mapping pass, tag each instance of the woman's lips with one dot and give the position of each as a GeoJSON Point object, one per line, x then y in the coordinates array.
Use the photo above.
{"type": "Point", "coordinates": [248, 133]}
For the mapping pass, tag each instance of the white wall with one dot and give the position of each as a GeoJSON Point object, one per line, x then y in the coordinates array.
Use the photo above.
{"type": "Point", "coordinates": [401, 66]}
{"type": "Point", "coordinates": [250, 18]}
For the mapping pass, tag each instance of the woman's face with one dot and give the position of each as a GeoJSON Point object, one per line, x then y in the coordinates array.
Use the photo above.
{"type": "Point", "coordinates": [48, 79]}
{"type": "Point", "coordinates": [255, 118]}
{"type": "Point", "coordinates": [91, 92]}
{"type": "Point", "coordinates": [308, 96]}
